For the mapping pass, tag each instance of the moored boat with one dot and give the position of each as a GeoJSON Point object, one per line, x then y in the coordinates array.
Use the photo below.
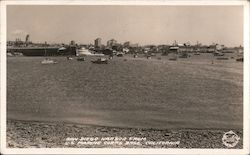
{"type": "Point", "coordinates": [48, 61]}
{"type": "Point", "coordinates": [100, 61]}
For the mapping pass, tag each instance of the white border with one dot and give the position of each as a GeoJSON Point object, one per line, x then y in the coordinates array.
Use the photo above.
{"type": "Point", "coordinates": [246, 93]}
{"type": "Point", "coordinates": [246, 106]}
{"type": "Point", "coordinates": [3, 76]}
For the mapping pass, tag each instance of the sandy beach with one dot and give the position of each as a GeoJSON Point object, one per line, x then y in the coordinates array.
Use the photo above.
{"type": "Point", "coordinates": [31, 134]}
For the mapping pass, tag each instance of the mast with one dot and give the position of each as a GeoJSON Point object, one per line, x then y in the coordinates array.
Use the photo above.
{"type": "Point", "coordinates": [45, 49]}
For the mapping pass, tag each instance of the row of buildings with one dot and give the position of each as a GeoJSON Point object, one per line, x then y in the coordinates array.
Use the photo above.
{"type": "Point", "coordinates": [111, 43]}
{"type": "Point", "coordinates": [186, 47]}
{"type": "Point", "coordinates": [112, 46]}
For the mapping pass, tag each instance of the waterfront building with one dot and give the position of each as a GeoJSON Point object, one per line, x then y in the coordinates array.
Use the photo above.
{"type": "Point", "coordinates": [126, 44]}
{"type": "Point", "coordinates": [98, 42]}
{"type": "Point", "coordinates": [111, 43]}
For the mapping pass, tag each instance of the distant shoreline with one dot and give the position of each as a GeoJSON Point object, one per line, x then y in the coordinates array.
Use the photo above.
{"type": "Point", "coordinates": [35, 134]}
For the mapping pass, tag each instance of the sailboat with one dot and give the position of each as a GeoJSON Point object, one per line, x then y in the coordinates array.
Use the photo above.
{"type": "Point", "coordinates": [47, 60]}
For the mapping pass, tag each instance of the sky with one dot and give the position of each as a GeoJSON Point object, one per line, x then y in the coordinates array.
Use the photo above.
{"type": "Point", "coordinates": [137, 24]}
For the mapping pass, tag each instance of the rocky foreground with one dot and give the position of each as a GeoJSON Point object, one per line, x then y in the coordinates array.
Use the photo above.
{"type": "Point", "coordinates": [27, 134]}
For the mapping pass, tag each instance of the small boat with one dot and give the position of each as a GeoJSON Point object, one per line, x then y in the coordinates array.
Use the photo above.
{"type": "Point", "coordinates": [69, 58]}
{"type": "Point", "coordinates": [173, 59]}
{"type": "Point", "coordinates": [111, 57]}
{"type": "Point", "coordinates": [183, 55]}
{"type": "Point", "coordinates": [218, 53]}
{"type": "Point", "coordinates": [239, 59]}
{"type": "Point", "coordinates": [119, 54]}
{"type": "Point", "coordinates": [48, 61]}
{"type": "Point", "coordinates": [81, 59]}
{"type": "Point", "coordinates": [197, 53]}
{"type": "Point", "coordinates": [10, 54]}
{"type": "Point", "coordinates": [100, 61]}
{"type": "Point", "coordinates": [152, 54]}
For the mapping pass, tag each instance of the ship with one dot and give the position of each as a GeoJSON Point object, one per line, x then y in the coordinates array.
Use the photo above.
{"type": "Point", "coordinates": [27, 48]}
{"type": "Point", "coordinates": [39, 51]}
{"type": "Point", "coordinates": [100, 61]}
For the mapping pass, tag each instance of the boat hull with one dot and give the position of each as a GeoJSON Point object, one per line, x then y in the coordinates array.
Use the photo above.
{"type": "Point", "coordinates": [100, 61]}
{"type": "Point", "coordinates": [40, 51]}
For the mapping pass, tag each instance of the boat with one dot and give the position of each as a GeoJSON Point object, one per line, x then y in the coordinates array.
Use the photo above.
{"type": "Point", "coordinates": [39, 50]}
{"type": "Point", "coordinates": [100, 61]}
{"type": "Point", "coordinates": [28, 48]}
{"type": "Point", "coordinates": [80, 59]}
{"type": "Point", "coordinates": [69, 58]}
{"type": "Point", "coordinates": [152, 54]}
{"type": "Point", "coordinates": [173, 59]}
{"type": "Point", "coordinates": [35, 51]}
{"type": "Point", "coordinates": [48, 61]}
{"type": "Point", "coordinates": [87, 53]}
{"type": "Point", "coordinates": [218, 53]}
{"type": "Point", "coordinates": [119, 54]}
{"type": "Point", "coordinates": [184, 55]}
{"type": "Point", "coordinates": [239, 59]}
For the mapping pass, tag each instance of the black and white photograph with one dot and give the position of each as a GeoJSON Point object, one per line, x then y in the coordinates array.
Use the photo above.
{"type": "Point", "coordinates": [132, 75]}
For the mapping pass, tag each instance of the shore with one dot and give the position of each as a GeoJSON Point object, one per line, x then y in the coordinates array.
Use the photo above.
{"type": "Point", "coordinates": [32, 134]}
